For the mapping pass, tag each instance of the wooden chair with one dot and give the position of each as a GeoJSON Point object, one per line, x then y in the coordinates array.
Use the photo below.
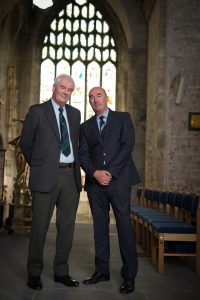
{"type": "Point", "coordinates": [178, 239]}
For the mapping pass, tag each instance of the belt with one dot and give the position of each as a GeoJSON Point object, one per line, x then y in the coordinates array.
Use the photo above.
{"type": "Point", "coordinates": [65, 165]}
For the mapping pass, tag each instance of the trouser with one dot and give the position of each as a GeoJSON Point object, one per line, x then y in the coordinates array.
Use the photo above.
{"type": "Point", "coordinates": [100, 200]}
{"type": "Point", "coordinates": [65, 197]}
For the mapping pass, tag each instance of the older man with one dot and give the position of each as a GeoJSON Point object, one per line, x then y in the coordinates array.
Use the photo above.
{"type": "Point", "coordinates": [49, 142]}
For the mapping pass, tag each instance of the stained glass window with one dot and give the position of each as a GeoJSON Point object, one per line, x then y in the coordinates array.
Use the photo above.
{"type": "Point", "coordinates": [80, 43]}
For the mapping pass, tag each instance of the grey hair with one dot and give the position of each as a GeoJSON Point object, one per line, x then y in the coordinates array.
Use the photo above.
{"type": "Point", "coordinates": [67, 77]}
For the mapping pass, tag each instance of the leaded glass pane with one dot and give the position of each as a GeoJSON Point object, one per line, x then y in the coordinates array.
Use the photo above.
{"type": "Point", "coordinates": [109, 82]}
{"type": "Point", "coordinates": [76, 11]}
{"type": "Point", "coordinates": [67, 53]}
{"type": "Point", "coordinates": [113, 55]}
{"type": "Point", "coordinates": [75, 54]}
{"type": "Point", "coordinates": [61, 13]}
{"type": "Point", "coordinates": [59, 53]}
{"type": "Point", "coordinates": [78, 97]}
{"type": "Point", "coordinates": [84, 12]}
{"type": "Point", "coordinates": [76, 25]}
{"type": "Point", "coordinates": [61, 25]}
{"type": "Point", "coordinates": [81, 2]}
{"type": "Point", "coordinates": [98, 40]}
{"type": "Point", "coordinates": [93, 79]}
{"type": "Point", "coordinates": [52, 39]}
{"type": "Point", "coordinates": [106, 41]}
{"type": "Point", "coordinates": [91, 11]}
{"type": "Point", "coordinates": [63, 67]}
{"type": "Point", "coordinates": [45, 39]}
{"type": "Point", "coordinates": [83, 40]}
{"type": "Point", "coordinates": [83, 54]}
{"type": "Point", "coordinates": [112, 42]}
{"type": "Point", "coordinates": [99, 15]}
{"type": "Point", "coordinates": [53, 25]}
{"type": "Point", "coordinates": [91, 40]}
{"type": "Point", "coordinates": [44, 52]}
{"type": "Point", "coordinates": [99, 26]}
{"type": "Point", "coordinates": [69, 10]}
{"type": "Point", "coordinates": [75, 40]}
{"type": "Point", "coordinates": [93, 75]}
{"type": "Point", "coordinates": [105, 54]}
{"type": "Point", "coordinates": [52, 52]}
{"type": "Point", "coordinates": [90, 54]}
{"type": "Point", "coordinates": [98, 54]}
{"type": "Point", "coordinates": [60, 39]}
{"type": "Point", "coordinates": [68, 39]}
{"type": "Point", "coordinates": [47, 68]}
{"type": "Point", "coordinates": [83, 25]}
{"type": "Point", "coordinates": [68, 25]}
{"type": "Point", "coordinates": [91, 26]}
{"type": "Point", "coordinates": [105, 27]}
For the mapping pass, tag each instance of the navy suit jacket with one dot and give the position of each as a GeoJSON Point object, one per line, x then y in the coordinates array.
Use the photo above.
{"type": "Point", "coordinates": [40, 144]}
{"type": "Point", "coordinates": [112, 151]}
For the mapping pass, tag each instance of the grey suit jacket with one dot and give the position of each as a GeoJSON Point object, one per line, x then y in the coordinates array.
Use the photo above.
{"type": "Point", "coordinates": [40, 144]}
{"type": "Point", "coordinates": [112, 151]}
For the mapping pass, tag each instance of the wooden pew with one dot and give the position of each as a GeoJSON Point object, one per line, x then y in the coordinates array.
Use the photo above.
{"type": "Point", "coordinates": [167, 224]}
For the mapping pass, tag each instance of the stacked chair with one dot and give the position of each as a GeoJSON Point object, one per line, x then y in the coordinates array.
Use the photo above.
{"type": "Point", "coordinates": [167, 224]}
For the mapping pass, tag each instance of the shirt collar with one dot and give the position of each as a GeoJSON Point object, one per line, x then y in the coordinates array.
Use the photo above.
{"type": "Point", "coordinates": [56, 106]}
{"type": "Point", "coordinates": [105, 114]}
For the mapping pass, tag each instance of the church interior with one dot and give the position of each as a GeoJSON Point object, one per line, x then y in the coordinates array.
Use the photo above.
{"type": "Point", "coordinates": [151, 49]}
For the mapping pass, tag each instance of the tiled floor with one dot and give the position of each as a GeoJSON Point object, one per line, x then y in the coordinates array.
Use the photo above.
{"type": "Point", "coordinates": [177, 283]}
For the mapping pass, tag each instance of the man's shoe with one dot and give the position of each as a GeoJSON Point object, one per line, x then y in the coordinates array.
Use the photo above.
{"type": "Point", "coordinates": [127, 287]}
{"type": "Point", "coordinates": [34, 282]}
{"type": "Point", "coordinates": [66, 280]}
{"type": "Point", "coordinates": [96, 277]}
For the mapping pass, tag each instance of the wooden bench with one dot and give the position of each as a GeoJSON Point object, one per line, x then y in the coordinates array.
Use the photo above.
{"type": "Point", "coordinates": [167, 224]}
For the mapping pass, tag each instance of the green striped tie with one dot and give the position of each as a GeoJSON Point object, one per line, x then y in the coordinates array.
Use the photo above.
{"type": "Point", "coordinates": [65, 145]}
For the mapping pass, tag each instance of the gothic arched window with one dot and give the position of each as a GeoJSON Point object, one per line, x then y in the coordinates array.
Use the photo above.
{"type": "Point", "coordinates": [80, 43]}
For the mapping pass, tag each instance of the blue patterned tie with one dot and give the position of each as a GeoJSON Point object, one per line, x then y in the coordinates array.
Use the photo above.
{"type": "Point", "coordinates": [102, 123]}
{"type": "Point", "coordinates": [65, 145]}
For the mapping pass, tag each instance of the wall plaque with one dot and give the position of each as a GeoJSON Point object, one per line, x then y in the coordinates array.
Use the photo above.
{"type": "Point", "coordinates": [194, 121]}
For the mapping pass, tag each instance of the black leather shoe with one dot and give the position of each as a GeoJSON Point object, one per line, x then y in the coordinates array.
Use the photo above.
{"type": "Point", "coordinates": [34, 282]}
{"type": "Point", "coordinates": [127, 287]}
{"type": "Point", "coordinates": [96, 277]}
{"type": "Point", "coordinates": [66, 280]}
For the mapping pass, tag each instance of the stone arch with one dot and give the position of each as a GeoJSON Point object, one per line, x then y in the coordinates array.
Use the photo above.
{"type": "Point", "coordinates": [42, 22]}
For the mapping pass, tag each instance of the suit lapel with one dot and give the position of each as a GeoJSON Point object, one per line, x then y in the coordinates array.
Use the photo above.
{"type": "Point", "coordinates": [108, 126]}
{"type": "Point", "coordinates": [50, 115]}
{"type": "Point", "coordinates": [94, 129]}
{"type": "Point", "coordinates": [71, 124]}
{"type": "Point", "coordinates": [95, 126]}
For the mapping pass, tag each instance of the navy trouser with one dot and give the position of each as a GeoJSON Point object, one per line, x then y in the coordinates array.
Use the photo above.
{"type": "Point", "coordinates": [100, 200]}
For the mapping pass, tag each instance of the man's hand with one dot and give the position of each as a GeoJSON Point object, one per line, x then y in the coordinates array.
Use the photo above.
{"type": "Point", "coordinates": [103, 177]}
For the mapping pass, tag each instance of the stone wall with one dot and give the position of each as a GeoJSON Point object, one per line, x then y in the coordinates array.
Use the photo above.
{"type": "Point", "coordinates": [154, 153]}
{"type": "Point", "coordinates": [172, 151]}
{"type": "Point", "coordinates": [183, 48]}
